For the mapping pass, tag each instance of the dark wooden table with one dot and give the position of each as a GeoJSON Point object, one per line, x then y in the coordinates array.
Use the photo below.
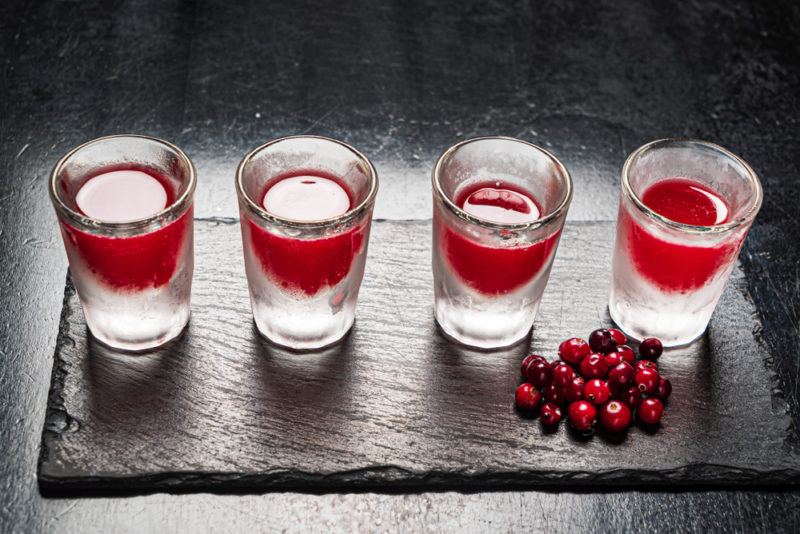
{"type": "Point", "coordinates": [401, 82]}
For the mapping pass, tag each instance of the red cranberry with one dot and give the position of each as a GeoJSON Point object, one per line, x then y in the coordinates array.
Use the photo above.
{"type": "Point", "coordinates": [573, 350]}
{"type": "Point", "coordinates": [631, 396]}
{"type": "Point", "coordinates": [582, 415]}
{"type": "Point", "coordinates": [574, 390]}
{"type": "Point", "coordinates": [527, 397]}
{"type": "Point", "coordinates": [622, 374]}
{"type": "Point", "coordinates": [646, 380]}
{"type": "Point", "coordinates": [651, 348]}
{"type": "Point", "coordinates": [615, 389]}
{"type": "Point", "coordinates": [613, 359]}
{"type": "Point", "coordinates": [618, 336]}
{"type": "Point", "coordinates": [627, 353]}
{"type": "Point", "coordinates": [550, 414]}
{"type": "Point", "coordinates": [663, 389]}
{"type": "Point", "coordinates": [553, 393]}
{"type": "Point", "coordinates": [645, 364]}
{"type": "Point", "coordinates": [602, 341]}
{"type": "Point", "coordinates": [539, 373]}
{"type": "Point", "coordinates": [594, 366]}
{"type": "Point", "coordinates": [615, 416]}
{"type": "Point", "coordinates": [596, 391]}
{"type": "Point", "coordinates": [527, 361]}
{"type": "Point", "coordinates": [562, 374]}
{"type": "Point", "coordinates": [650, 411]}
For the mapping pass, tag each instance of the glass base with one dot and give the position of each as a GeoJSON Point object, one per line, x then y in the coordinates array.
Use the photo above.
{"type": "Point", "coordinates": [138, 340]}
{"type": "Point", "coordinates": [483, 329]}
{"type": "Point", "coordinates": [640, 323]}
{"type": "Point", "coordinates": [303, 323]}
{"type": "Point", "coordinates": [302, 340]}
{"type": "Point", "coordinates": [135, 321]}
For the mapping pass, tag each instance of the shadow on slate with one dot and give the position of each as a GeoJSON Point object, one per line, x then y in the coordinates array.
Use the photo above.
{"type": "Point", "coordinates": [395, 406]}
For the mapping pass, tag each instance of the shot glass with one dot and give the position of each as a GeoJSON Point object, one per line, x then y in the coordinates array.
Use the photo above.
{"type": "Point", "coordinates": [667, 276]}
{"type": "Point", "coordinates": [133, 277]}
{"type": "Point", "coordinates": [489, 276]}
{"type": "Point", "coordinates": [304, 275]}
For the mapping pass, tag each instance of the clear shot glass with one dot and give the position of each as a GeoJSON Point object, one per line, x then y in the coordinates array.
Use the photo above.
{"type": "Point", "coordinates": [304, 275]}
{"type": "Point", "coordinates": [488, 276]}
{"type": "Point", "coordinates": [133, 277]}
{"type": "Point", "coordinates": [668, 276]}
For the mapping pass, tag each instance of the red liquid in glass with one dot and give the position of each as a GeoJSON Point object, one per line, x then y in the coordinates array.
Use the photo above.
{"type": "Point", "coordinates": [673, 266]}
{"type": "Point", "coordinates": [128, 263]}
{"type": "Point", "coordinates": [495, 270]}
{"type": "Point", "coordinates": [306, 265]}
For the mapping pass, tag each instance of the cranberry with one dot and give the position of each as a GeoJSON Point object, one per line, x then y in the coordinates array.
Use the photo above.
{"type": "Point", "coordinates": [596, 391]}
{"type": "Point", "coordinates": [615, 389]}
{"type": "Point", "coordinates": [650, 411]}
{"type": "Point", "coordinates": [527, 361]}
{"type": "Point", "coordinates": [651, 348]}
{"type": "Point", "coordinates": [550, 414]}
{"type": "Point", "coordinates": [622, 374]}
{"type": "Point", "coordinates": [613, 359]}
{"type": "Point", "coordinates": [527, 396]}
{"type": "Point", "coordinates": [627, 353]}
{"type": "Point", "coordinates": [574, 390]}
{"type": "Point", "coordinates": [645, 364]}
{"type": "Point", "coordinates": [631, 396]}
{"type": "Point", "coordinates": [553, 393]}
{"type": "Point", "coordinates": [646, 380]}
{"type": "Point", "coordinates": [618, 336]}
{"type": "Point", "coordinates": [573, 350]}
{"type": "Point", "coordinates": [562, 374]}
{"type": "Point", "coordinates": [663, 389]}
{"type": "Point", "coordinates": [602, 341]}
{"type": "Point", "coordinates": [582, 415]}
{"type": "Point", "coordinates": [539, 373]}
{"type": "Point", "coordinates": [615, 416]}
{"type": "Point", "coordinates": [594, 366]}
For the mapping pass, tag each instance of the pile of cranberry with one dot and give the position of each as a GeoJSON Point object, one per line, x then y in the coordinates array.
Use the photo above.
{"type": "Point", "coordinates": [599, 380]}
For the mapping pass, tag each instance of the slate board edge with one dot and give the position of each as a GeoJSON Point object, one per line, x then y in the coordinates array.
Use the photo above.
{"type": "Point", "coordinates": [785, 382]}
{"type": "Point", "coordinates": [390, 478]}
{"type": "Point", "coordinates": [59, 421]}
{"type": "Point", "coordinates": [782, 404]}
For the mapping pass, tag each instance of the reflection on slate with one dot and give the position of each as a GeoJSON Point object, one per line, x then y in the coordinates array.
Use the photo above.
{"type": "Point", "coordinates": [395, 405]}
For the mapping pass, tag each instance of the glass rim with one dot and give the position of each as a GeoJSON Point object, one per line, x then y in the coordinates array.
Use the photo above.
{"type": "Point", "coordinates": [134, 224]}
{"type": "Point", "coordinates": [350, 214]}
{"type": "Point", "coordinates": [749, 215]}
{"type": "Point", "coordinates": [538, 223]}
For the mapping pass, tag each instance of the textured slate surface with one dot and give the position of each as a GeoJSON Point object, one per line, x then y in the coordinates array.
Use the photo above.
{"type": "Point", "coordinates": [401, 80]}
{"type": "Point", "coordinates": [395, 405]}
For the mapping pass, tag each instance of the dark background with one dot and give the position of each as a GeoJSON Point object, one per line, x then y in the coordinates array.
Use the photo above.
{"type": "Point", "coordinates": [401, 82]}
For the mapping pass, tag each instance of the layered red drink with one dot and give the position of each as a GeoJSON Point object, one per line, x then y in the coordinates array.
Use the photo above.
{"type": "Point", "coordinates": [125, 211]}
{"type": "Point", "coordinates": [499, 207]}
{"type": "Point", "coordinates": [305, 230]}
{"type": "Point", "coordinates": [491, 270]}
{"type": "Point", "coordinates": [685, 210]}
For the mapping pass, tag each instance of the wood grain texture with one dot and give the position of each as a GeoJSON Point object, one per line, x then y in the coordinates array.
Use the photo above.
{"type": "Point", "coordinates": [394, 405]}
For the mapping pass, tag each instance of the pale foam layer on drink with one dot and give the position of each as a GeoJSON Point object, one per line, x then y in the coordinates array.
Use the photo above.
{"type": "Point", "coordinates": [306, 198]}
{"type": "Point", "coordinates": [120, 196]}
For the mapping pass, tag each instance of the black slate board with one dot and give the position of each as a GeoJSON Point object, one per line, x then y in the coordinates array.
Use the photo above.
{"type": "Point", "coordinates": [395, 406]}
